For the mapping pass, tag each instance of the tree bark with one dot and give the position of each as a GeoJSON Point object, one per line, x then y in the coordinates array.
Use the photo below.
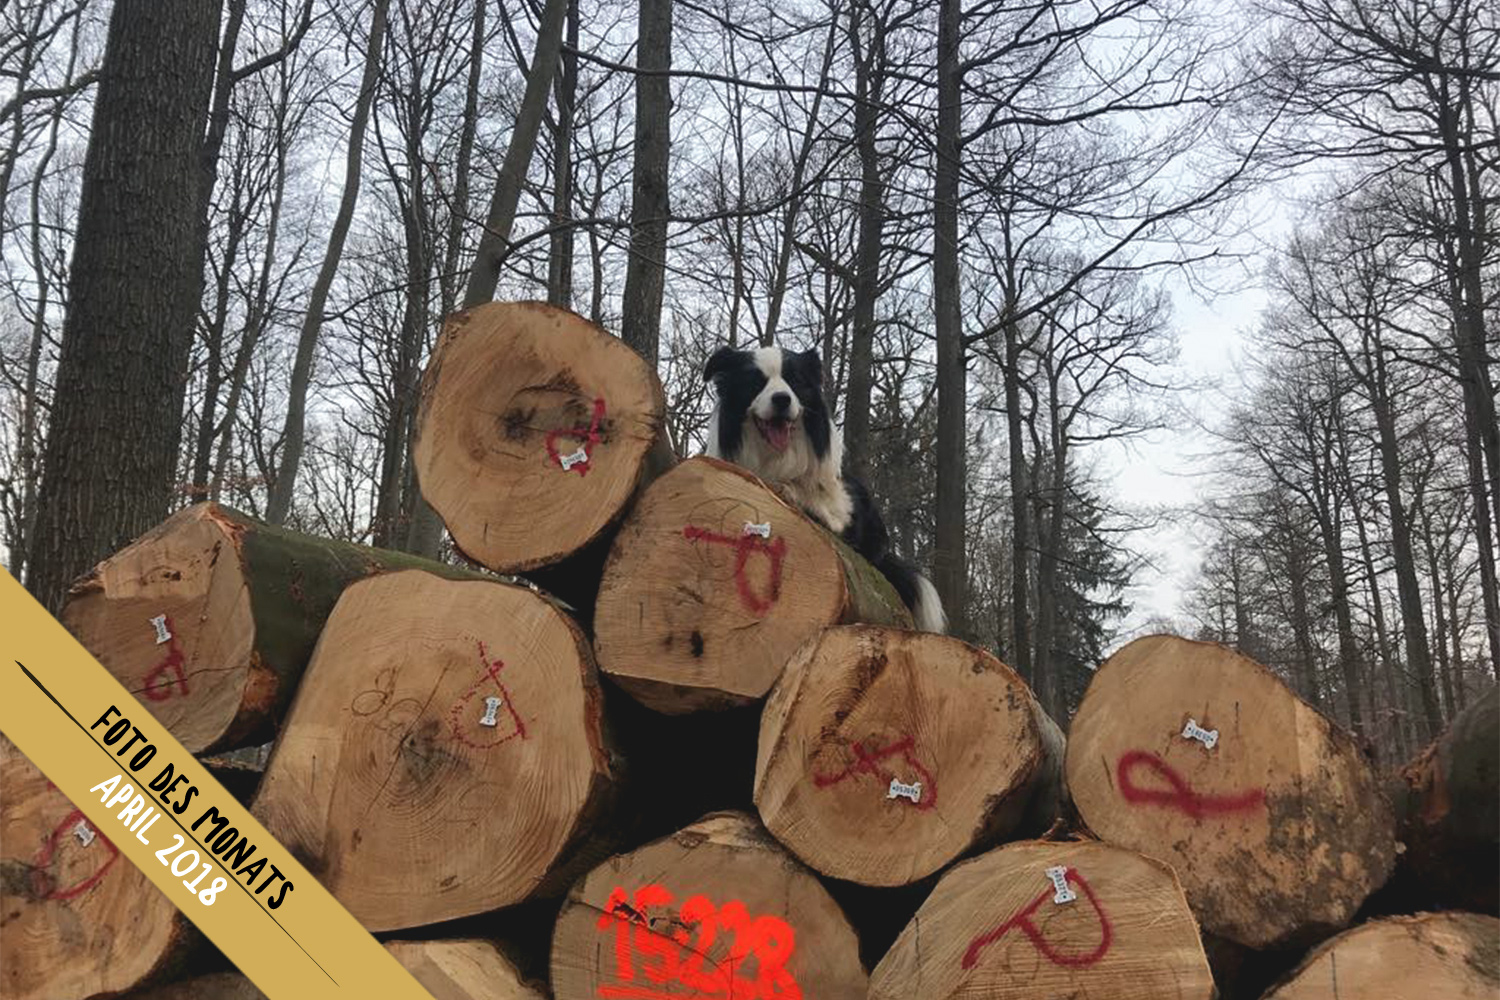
{"type": "Point", "coordinates": [279, 502]}
{"type": "Point", "coordinates": [650, 205]}
{"type": "Point", "coordinates": [111, 455]}
{"type": "Point", "coordinates": [1448, 810]}
{"type": "Point", "coordinates": [950, 573]}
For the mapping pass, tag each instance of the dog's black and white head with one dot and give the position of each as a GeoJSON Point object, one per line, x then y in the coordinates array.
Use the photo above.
{"type": "Point", "coordinates": [772, 419]}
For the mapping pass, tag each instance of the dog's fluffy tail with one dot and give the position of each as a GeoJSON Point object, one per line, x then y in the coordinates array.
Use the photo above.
{"type": "Point", "coordinates": [916, 592]}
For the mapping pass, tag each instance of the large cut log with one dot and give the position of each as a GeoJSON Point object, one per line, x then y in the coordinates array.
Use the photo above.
{"type": "Point", "coordinates": [885, 754]}
{"type": "Point", "coordinates": [714, 581]}
{"type": "Point", "coordinates": [534, 430]}
{"type": "Point", "coordinates": [1268, 812]}
{"type": "Point", "coordinates": [1431, 956]}
{"type": "Point", "coordinates": [715, 910]}
{"type": "Point", "coordinates": [445, 752]}
{"type": "Point", "coordinates": [1036, 920]}
{"type": "Point", "coordinates": [463, 969]}
{"type": "Point", "coordinates": [1448, 811]}
{"type": "Point", "coordinates": [459, 969]}
{"type": "Point", "coordinates": [76, 919]}
{"type": "Point", "coordinates": [209, 619]}
{"type": "Point", "coordinates": [213, 986]}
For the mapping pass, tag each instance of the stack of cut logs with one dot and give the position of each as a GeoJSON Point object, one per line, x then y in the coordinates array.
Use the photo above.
{"type": "Point", "coordinates": [665, 737]}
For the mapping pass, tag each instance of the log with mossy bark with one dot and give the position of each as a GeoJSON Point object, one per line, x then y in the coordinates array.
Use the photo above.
{"type": "Point", "coordinates": [1271, 815]}
{"type": "Point", "coordinates": [714, 581]}
{"type": "Point", "coordinates": [76, 918]}
{"type": "Point", "coordinates": [445, 754]}
{"type": "Point", "coordinates": [534, 431]}
{"type": "Point", "coordinates": [1448, 814]}
{"type": "Point", "coordinates": [886, 753]}
{"type": "Point", "coordinates": [209, 619]}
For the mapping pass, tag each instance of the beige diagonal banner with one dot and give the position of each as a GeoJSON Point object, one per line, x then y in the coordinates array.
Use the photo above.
{"type": "Point", "coordinates": [94, 740]}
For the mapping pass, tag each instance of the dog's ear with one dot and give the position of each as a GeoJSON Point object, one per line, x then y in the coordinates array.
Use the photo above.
{"type": "Point", "coordinates": [814, 363]}
{"type": "Point", "coordinates": [720, 363]}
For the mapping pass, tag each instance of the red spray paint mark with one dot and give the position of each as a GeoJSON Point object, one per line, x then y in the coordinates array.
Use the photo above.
{"type": "Point", "coordinates": [1180, 796]}
{"type": "Point", "coordinates": [671, 966]}
{"type": "Point", "coordinates": [588, 437]}
{"type": "Point", "coordinates": [1051, 954]}
{"type": "Point", "coordinates": [456, 716]}
{"type": "Point", "coordinates": [156, 688]}
{"type": "Point", "coordinates": [744, 546]}
{"type": "Point", "coordinates": [866, 762]}
{"type": "Point", "coordinates": [42, 883]}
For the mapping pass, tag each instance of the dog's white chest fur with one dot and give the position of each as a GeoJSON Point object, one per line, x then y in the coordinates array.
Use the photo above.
{"type": "Point", "coordinates": [814, 485]}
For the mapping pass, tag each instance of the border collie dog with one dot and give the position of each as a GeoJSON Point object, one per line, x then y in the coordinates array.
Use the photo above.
{"type": "Point", "coordinates": [771, 419]}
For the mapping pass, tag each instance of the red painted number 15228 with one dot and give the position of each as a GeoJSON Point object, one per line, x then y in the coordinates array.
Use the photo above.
{"type": "Point", "coordinates": [652, 965]}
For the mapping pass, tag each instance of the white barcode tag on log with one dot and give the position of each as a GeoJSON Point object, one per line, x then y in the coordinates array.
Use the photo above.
{"type": "Point", "coordinates": [160, 624]}
{"type": "Point", "coordinates": [491, 708]}
{"type": "Point", "coordinates": [1208, 737]}
{"type": "Point", "coordinates": [900, 791]}
{"type": "Point", "coordinates": [572, 459]}
{"type": "Point", "coordinates": [1063, 892]}
{"type": "Point", "coordinates": [84, 833]}
{"type": "Point", "coordinates": [763, 530]}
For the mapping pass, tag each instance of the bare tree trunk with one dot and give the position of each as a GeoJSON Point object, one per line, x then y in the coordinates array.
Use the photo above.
{"type": "Point", "coordinates": [1394, 700]}
{"type": "Point", "coordinates": [952, 456]}
{"type": "Point", "coordinates": [1408, 590]}
{"type": "Point", "coordinates": [869, 84]}
{"type": "Point", "coordinates": [258, 318]}
{"type": "Point", "coordinates": [29, 430]}
{"type": "Point", "coordinates": [1020, 509]}
{"type": "Point", "coordinates": [1329, 514]}
{"type": "Point", "coordinates": [493, 245]}
{"type": "Point", "coordinates": [425, 533]}
{"type": "Point", "coordinates": [116, 424]}
{"type": "Point", "coordinates": [394, 507]}
{"type": "Point", "coordinates": [294, 430]}
{"type": "Point", "coordinates": [560, 259]}
{"type": "Point", "coordinates": [650, 206]}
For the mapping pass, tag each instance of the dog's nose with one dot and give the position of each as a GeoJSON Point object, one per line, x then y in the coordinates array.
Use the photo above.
{"type": "Point", "coordinates": [781, 402]}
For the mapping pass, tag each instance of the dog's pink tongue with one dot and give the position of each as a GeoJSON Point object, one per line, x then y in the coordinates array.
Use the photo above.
{"type": "Point", "coordinates": [778, 435]}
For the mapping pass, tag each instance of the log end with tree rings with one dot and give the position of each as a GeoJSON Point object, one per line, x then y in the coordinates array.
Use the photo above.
{"type": "Point", "coordinates": [76, 918]}
{"type": "Point", "coordinates": [1430, 956]}
{"type": "Point", "coordinates": [1270, 814]}
{"type": "Point", "coordinates": [1050, 919]}
{"type": "Point", "coordinates": [717, 909]}
{"type": "Point", "coordinates": [534, 430]}
{"type": "Point", "coordinates": [714, 581]}
{"type": "Point", "coordinates": [444, 753]}
{"type": "Point", "coordinates": [885, 753]}
{"type": "Point", "coordinates": [170, 616]}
